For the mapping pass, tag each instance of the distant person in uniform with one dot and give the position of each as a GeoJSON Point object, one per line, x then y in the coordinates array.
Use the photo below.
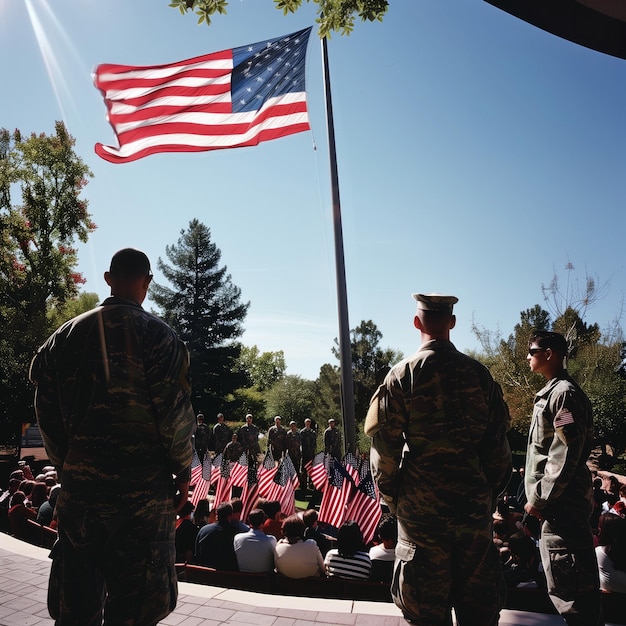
{"type": "Point", "coordinates": [332, 440]}
{"type": "Point", "coordinates": [440, 456]}
{"type": "Point", "coordinates": [308, 437]}
{"type": "Point", "coordinates": [248, 436]}
{"type": "Point", "coordinates": [276, 439]}
{"type": "Point", "coordinates": [558, 483]}
{"type": "Point", "coordinates": [233, 450]}
{"type": "Point", "coordinates": [222, 434]}
{"type": "Point", "coordinates": [113, 405]}
{"type": "Point", "coordinates": [293, 443]}
{"type": "Point", "coordinates": [201, 437]}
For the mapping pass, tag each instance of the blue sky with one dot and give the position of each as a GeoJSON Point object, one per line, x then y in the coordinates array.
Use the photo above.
{"type": "Point", "coordinates": [477, 156]}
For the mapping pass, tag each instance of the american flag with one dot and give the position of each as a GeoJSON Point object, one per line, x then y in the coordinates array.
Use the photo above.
{"type": "Point", "coordinates": [563, 418]}
{"type": "Point", "coordinates": [226, 99]}
{"type": "Point", "coordinates": [200, 478]}
{"type": "Point", "coordinates": [335, 496]}
{"type": "Point", "coordinates": [351, 464]}
{"type": "Point", "coordinates": [364, 507]}
{"type": "Point", "coordinates": [266, 474]}
{"type": "Point", "coordinates": [196, 469]}
{"type": "Point", "coordinates": [317, 471]}
{"type": "Point", "coordinates": [286, 480]}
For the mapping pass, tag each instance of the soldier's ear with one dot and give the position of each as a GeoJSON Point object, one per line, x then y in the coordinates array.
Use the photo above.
{"type": "Point", "coordinates": [417, 323]}
{"type": "Point", "coordinates": [452, 322]}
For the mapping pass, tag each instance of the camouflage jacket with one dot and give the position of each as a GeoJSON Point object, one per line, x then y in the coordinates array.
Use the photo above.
{"type": "Point", "coordinates": [248, 437]}
{"type": "Point", "coordinates": [309, 441]}
{"type": "Point", "coordinates": [222, 435]}
{"type": "Point", "coordinates": [439, 448]}
{"type": "Point", "coordinates": [293, 443]}
{"type": "Point", "coordinates": [113, 404]}
{"type": "Point", "coordinates": [556, 479]}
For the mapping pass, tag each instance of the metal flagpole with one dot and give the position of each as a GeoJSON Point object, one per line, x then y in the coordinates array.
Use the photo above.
{"type": "Point", "coordinates": [345, 351]}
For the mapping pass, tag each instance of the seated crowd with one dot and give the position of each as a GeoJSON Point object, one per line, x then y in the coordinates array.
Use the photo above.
{"type": "Point", "coordinates": [296, 547]}
{"type": "Point", "coordinates": [516, 536]}
{"type": "Point", "coordinates": [293, 546]}
{"type": "Point", "coordinates": [28, 498]}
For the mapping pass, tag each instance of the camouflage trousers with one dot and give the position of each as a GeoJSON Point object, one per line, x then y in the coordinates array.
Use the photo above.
{"type": "Point", "coordinates": [116, 569]}
{"type": "Point", "coordinates": [441, 567]}
{"type": "Point", "coordinates": [569, 562]}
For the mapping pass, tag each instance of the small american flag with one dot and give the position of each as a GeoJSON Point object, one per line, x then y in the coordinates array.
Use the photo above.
{"type": "Point", "coordinates": [226, 99]}
{"type": "Point", "coordinates": [563, 418]}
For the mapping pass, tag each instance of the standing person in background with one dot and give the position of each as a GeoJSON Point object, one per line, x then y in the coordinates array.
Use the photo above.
{"type": "Point", "coordinates": [308, 436]}
{"type": "Point", "coordinates": [558, 483]}
{"type": "Point", "coordinates": [248, 436]}
{"type": "Point", "coordinates": [440, 456]}
{"type": "Point", "coordinates": [113, 405]}
{"type": "Point", "coordinates": [222, 434]}
{"type": "Point", "coordinates": [332, 440]}
{"type": "Point", "coordinates": [201, 437]}
{"type": "Point", "coordinates": [276, 439]}
{"type": "Point", "coordinates": [293, 443]}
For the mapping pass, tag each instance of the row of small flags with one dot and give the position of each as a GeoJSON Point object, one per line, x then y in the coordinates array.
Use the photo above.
{"type": "Point", "coordinates": [348, 490]}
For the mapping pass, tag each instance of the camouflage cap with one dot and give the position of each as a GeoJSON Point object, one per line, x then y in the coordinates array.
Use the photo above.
{"type": "Point", "coordinates": [435, 302]}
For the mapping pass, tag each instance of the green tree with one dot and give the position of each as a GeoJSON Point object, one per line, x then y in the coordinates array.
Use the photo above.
{"type": "Point", "coordinates": [263, 369]}
{"type": "Point", "coordinates": [370, 364]}
{"type": "Point", "coordinates": [37, 255]}
{"type": "Point", "coordinates": [293, 398]}
{"type": "Point", "coordinates": [59, 313]}
{"type": "Point", "coordinates": [204, 307]}
{"type": "Point", "coordinates": [332, 15]}
{"type": "Point", "coordinates": [594, 359]}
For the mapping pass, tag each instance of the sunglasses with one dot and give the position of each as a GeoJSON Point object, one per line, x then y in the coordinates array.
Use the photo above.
{"type": "Point", "coordinates": [533, 351]}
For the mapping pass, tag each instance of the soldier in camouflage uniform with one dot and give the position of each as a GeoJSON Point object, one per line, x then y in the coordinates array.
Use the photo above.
{"type": "Point", "coordinates": [201, 437]}
{"type": "Point", "coordinates": [113, 405]}
{"type": "Point", "coordinates": [440, 456]}
{"type": "Point", "coordinates": [276, 439]}
{"type": "Point", "coordinates": [248, 436]}
{"type": "Point", "coordinates": [293, 441]}
{"type": "Point", "coordinates": [332, 440]}
{"type": "Point", "coordinates": [222, 434]}
{"type": "Point", "coordinates": [558, 483]}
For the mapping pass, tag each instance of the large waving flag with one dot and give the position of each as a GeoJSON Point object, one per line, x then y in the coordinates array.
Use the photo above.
{"type": "Point", "coordinates": [226, 99]}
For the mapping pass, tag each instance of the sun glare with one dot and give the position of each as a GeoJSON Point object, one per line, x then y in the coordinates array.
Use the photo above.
{"type": "Point", "coordinates": [50, 59]}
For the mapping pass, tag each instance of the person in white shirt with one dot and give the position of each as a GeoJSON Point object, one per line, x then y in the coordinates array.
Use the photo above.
{"type": "Point", "coordinates": [295, 557]}
{"type": "Point", "coordinates": [254, 549]}
{"type": "Point", "coordinates": [611, 553]}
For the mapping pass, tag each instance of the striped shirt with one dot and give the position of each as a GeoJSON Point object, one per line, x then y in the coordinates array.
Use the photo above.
{"type": "Point", "coordinates": [356, 566]}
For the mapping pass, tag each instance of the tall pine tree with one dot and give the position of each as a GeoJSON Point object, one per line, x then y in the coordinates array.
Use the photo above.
{"type": "Point", "coordinates": [204, 307]}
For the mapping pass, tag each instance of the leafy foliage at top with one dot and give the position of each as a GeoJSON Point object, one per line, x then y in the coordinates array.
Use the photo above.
{"type": "Point", "coordinates": [332, 15]}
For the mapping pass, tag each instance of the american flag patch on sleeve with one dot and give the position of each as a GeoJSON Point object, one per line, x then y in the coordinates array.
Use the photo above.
{"type": "Point", "coordinates": [563, 418]}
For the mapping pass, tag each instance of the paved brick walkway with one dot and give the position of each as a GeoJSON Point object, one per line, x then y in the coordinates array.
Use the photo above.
{"type": "Point", "coordinates": [24, 579]}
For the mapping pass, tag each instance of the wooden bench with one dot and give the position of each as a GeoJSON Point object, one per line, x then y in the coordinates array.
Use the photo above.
{"type": "Point", "coordinates": [37, 534]}
{"type": "Point", "coordinates": [314, 587]}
